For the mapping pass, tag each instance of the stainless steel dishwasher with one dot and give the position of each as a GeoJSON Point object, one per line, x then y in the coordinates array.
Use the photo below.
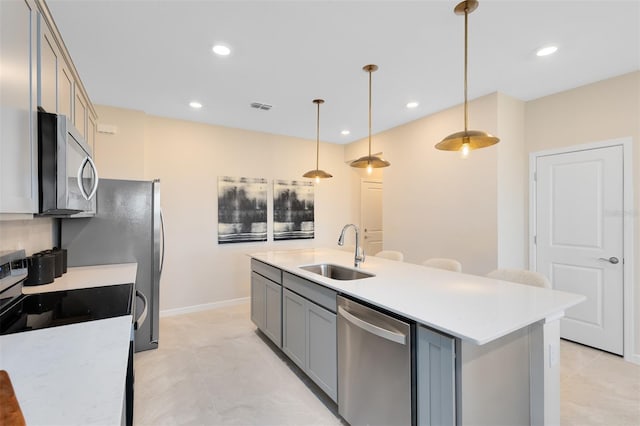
{"type": "Point", "coordinates": [375, 360]}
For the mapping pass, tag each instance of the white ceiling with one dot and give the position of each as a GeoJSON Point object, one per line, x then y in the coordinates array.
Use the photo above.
{"type": "Point", "coordinates": [155, 56]}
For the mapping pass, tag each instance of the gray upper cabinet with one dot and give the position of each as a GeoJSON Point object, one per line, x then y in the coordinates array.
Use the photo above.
{"type": "Point", "coordinates": [18, 140]}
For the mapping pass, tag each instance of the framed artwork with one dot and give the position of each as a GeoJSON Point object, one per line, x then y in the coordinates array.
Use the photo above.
{"type": "Point", "coordinates": [293, 214]}
{"type": "Point", "coordinates": [242, 209]}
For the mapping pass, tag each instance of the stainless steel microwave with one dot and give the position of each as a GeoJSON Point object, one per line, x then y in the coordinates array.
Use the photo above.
{"type": "Point", "coordinates": [67, 175]}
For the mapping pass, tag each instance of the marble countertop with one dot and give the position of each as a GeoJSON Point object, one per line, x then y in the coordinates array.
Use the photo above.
{"type": "Point", "coordinates": [474, 308]}
{"type": "Point", "coordinates": [69, 375]}
{"type": "Point", "coordinates": [73, 374]}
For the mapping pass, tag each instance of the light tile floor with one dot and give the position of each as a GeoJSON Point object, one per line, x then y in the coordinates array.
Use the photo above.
{"type": "Point", "coordinates": [212, 368]}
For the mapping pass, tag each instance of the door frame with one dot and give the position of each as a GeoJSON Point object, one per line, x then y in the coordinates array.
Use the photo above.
{"type": "Point", "coordinates": [628, 234]}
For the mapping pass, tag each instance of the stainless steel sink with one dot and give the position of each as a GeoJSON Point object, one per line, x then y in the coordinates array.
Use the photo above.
{"type": "Point", "coordinates": [336, 272]}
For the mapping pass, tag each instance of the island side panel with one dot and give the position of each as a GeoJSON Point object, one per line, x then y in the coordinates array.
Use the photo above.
{"type": "Point", "coordinates": [545, 372]}
{"type": "Point", "coordinates": [492, 381]}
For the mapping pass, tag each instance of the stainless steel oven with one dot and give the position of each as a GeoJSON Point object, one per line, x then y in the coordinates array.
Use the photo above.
{"type": "Point", "coordinates": [67, 176]}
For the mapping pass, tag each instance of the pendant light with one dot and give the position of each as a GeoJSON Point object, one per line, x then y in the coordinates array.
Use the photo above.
{"type": "Point", "coordinates": [370, 161]}
{"type": "Point", "coordinates": [468, 139]}
{"type": "Point", "coordinates": [317, 173]}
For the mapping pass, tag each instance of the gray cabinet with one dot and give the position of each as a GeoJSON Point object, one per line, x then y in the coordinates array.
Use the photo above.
{"type": "Point", "coordinates": [266, 300]}
{"type": "Point", "coordinates": [18, 139]}
{"type": "Point", "coordinates": [309, 331]}
{"type": "Point", "coordinates": [435, 378]}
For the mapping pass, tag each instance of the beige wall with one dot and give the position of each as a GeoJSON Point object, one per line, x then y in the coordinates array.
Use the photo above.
{"type": "Point", "coordinates": [437, 204]}
{"type": "Point", "coordinates": [602, 111]}
{"type": "Point", "coordinates": [188, 157]}
{"type": "Point", "coordinates": [31, 235]}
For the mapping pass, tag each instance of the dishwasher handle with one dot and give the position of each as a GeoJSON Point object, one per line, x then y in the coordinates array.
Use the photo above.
{"type": "Point", "coordinates": [373, 329]}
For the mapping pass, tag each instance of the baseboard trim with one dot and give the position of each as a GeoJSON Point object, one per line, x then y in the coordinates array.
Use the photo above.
{"type": "Point", "coordinates": [633, 358]}
{"type": "Point", "coordinates": [203, 307]}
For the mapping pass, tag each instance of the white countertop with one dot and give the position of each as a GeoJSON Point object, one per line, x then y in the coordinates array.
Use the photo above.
{"type": "Point", "coordinates": [88, 276]}
{"type": "Point", "coordinates": [69, 375]}
{"type": "Point", "coordinates": [73, 374]}
{"type": "Point", "coordinates": [474, 308]}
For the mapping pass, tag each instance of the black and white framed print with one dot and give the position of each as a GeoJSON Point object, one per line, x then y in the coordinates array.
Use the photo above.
{"type": "Point", "coordinates": [293, 214]}
{"type": "Point", "coordinates": [242, 209]}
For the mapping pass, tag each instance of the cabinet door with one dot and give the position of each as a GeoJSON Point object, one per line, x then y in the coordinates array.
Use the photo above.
{"type": "Point", "coordinates": [48, 64]}
{"type": "Point", "coordinates": [80, 113]}
{"type": "Point", "coordinates": [294, 327]}
{"type": "Point", "coordinates": [322, 355]}
{"type": "Point", "coordinates": [92, 129]}
{"type": "Point", "coordinates": [258, 300]}
{"type": "Point", "coordinates": [436, 378]}
{"type": "Point", "coordinates": [65, 91]}
{"type": "Point", "coordinates": [273, 314]}
{"type": "Point", "coordinates": [18, 143]}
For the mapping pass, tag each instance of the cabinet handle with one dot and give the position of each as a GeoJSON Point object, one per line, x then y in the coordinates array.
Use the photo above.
{"type": "Point", "coordinates": [373, 329]}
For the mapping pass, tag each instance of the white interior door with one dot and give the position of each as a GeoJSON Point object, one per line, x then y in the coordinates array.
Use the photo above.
{"type": "Point", "coordinates": [371, 216]}
{"type": "Point", "coordinates": [580, 228]}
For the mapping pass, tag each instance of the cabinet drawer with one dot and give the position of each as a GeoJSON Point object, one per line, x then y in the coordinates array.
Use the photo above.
{"type": "Point", "coordinates": [268, 271]}
{"type": "Point", "coordinates": [314, 292]}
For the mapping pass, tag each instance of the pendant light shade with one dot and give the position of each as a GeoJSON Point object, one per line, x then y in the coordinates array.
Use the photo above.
{"type": "Point", "coordinates": [467, 139]}
{"type": "Point", "coordinates": [370, 161]}
{"type": "Point", "coordinates": [317, 174]}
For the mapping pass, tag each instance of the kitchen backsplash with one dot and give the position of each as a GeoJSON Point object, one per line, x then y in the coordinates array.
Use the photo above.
{"type": "Point", "coordinates": [31, 235]}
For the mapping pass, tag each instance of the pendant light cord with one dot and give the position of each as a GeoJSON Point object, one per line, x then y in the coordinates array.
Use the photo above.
{"type": "Point", "coordinates": [369, 113]}
{"type": "Point", "coordinates": [466, 26]}
{"type": "Point", "coordinates": [318, 138]}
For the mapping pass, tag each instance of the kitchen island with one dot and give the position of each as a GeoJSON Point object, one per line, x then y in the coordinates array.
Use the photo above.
{"type": "Point", "coordinates": [505, 336]}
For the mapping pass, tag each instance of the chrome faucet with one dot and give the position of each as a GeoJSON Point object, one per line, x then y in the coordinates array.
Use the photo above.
{"type": "Point", "coordinates": [359, 254]}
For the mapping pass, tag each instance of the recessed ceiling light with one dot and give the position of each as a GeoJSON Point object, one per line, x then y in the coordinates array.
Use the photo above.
{"type": "Point", "coordinates": [221, 50]}
{"type": "Point", "coordinates": [412, 105]}
{"type": "Point", "coordinates": [195, 105]}
{"type": "Point", "coordinates": [345, 132]}
{"type": "Point", "coordinates": [547, 50]}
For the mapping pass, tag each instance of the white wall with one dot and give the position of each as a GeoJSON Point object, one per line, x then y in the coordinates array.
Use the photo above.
{"type": "Point", "coordinates": [512, 185]}
{"type": "Point", "coordinates": [31, 235]}
{"type": "Point", "coordinates": [188, 157]}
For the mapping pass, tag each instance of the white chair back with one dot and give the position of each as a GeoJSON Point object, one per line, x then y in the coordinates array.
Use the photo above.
{"type": "Point", "coordinates": [521, 276]}
{"type": "Point", "coordinates": [444, 263]}
{"type": "Point", "coordinates": [390, 254]}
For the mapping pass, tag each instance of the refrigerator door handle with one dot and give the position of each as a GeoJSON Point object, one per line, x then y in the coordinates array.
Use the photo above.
{"type": "Point", "coordinates": [162, 246]}
{"type": "Point", "coordinates": [143, 315]}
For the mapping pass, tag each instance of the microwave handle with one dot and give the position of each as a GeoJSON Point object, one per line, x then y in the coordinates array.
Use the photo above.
{"type": "Point", "coordinates": [89, 196]}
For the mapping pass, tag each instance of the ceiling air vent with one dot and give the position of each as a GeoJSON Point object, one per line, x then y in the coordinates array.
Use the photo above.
{"type": "Point", "coordinates": [258, 105]}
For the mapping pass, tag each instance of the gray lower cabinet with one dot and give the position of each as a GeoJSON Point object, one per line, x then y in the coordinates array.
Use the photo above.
{"type": "Point", "coordinates": [309, 332]}
{"type": "Point", "coordinates": [266, 301]}
{"type": "Point", "coordinates": [435, 378]}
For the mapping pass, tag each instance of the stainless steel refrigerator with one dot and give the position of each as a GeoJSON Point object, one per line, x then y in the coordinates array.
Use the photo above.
{"type": "Point", "coordinates": [126, 228]}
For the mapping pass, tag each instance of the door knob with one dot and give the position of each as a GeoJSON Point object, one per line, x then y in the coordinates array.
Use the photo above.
{"type": "Point", "coordinates": [612, 259]}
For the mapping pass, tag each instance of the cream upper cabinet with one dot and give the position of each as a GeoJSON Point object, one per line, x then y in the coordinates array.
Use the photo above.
{"type": "Point", "coordinates": [92, 130]}
{"type": "Point", "coordinates": [18, 140]}
{"type": "Point", "coordinates": [65, 90]}
{"type": "Point", "coordinates": [35, 71]}
{"type": "Point", "coordinates": [60, 90]}
{"type": "Point", "coordinates": [80, 113]}
{"type": "Point", "coordinates": [48, 65]}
